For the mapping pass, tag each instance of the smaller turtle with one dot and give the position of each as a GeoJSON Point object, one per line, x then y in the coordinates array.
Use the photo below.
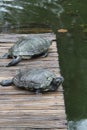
{"type": "Point", "coordinates": [27, 48]}
{"type": "Point", "coordinates": [36, 80]}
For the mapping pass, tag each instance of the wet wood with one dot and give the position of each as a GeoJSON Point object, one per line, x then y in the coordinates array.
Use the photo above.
{"type": "Point", "coordinates": [21, 109]}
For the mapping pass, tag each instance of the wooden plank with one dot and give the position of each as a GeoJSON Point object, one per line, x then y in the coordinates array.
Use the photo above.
{"type": "Point", "coordinates": [23, 110]}
{"type": "Point", "coordinates": [27, 128]}
{"type": "Point", "coordinates": [14, 37]}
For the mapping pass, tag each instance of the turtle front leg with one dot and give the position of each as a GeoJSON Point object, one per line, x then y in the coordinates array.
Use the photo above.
{"type": "Point", "coordinates": [14, 61]}
{"type": "Point", "coordinates": [5, 56]}
{"type": "Point", "coordinates": [6, 82]}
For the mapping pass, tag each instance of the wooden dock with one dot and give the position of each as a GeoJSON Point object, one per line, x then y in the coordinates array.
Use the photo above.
{"type": "Point", "coordinates": [23, 110]}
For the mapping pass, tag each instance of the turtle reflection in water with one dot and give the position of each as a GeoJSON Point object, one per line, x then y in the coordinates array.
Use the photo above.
{"type": "Point", "coordinates": [26, 48]}
{"type": "Point", "coordinates": [36, 80]}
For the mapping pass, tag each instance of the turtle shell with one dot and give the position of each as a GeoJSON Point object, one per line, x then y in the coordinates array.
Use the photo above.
{"type": "Point", "coordinates": [34, 79]}
{"type": "Point", "coordinates": [28, 47]}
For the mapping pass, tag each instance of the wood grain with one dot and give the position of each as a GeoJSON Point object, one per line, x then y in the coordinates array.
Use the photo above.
{"type": "Point", "coordinates": [21, 109]}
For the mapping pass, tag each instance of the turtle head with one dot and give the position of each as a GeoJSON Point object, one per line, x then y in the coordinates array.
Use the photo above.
{"type": "Point", "coordinates": [58, 80]}
{"type": "Point", "coordinates": [56, 83]}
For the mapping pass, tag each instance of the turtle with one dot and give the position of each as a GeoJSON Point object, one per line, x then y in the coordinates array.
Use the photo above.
{"type": "Point", "coordinates": [36, 80]}
{"type": "Point", "coordinates": [27, 48]}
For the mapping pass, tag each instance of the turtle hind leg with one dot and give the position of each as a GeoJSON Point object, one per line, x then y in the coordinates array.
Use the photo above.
{"type": "Point", "coordinates": [14, 61]}
{"type": "Point", "coordinates": [45, 54]}
{"type": "Point", "coordinates": [5, 56]}
{"type": "Point", "coordinates": [6, 82]}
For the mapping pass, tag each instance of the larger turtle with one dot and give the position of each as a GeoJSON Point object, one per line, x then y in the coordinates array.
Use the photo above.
{"type": "Point", "coordinates": [37, 80]}
{"type": "Point", "coordinates": [26, 48]}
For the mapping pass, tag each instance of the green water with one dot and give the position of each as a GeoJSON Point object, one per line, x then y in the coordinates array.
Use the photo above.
{"type": "Point", "coordinates": [72, 45]}
{"type": "Point", "coordinates": [73, 61]}
{"type": "Point", "coordinates": [17, 14]}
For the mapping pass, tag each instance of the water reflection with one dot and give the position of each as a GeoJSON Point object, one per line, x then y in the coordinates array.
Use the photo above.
{"type": "Point", "coordinates": [78, 125]}
{"type": "Point", "coordinates": [19, 13]}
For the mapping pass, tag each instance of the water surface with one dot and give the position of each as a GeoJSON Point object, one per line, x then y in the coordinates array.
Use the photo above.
{"type": "Point", "coordinates": [73, 61]}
